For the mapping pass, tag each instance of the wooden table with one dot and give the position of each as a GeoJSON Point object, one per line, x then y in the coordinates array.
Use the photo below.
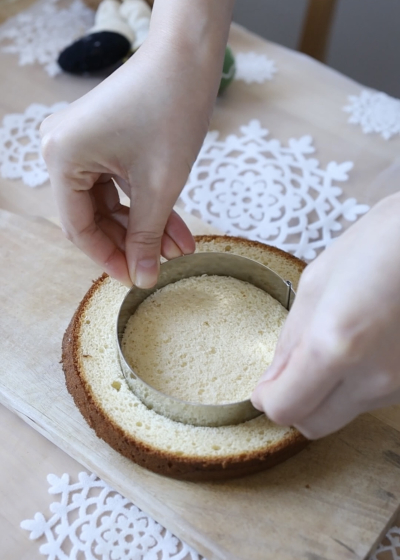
{"type": "Point", "coordinates": [27, 456]}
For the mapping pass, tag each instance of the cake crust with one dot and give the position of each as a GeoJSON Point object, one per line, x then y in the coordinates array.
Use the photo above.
{"type": "Point", "coordinates": [206, 468]}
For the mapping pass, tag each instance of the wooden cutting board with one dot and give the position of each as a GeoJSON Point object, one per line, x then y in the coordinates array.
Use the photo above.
{"type": "Point", "coordinates": [332, 501]}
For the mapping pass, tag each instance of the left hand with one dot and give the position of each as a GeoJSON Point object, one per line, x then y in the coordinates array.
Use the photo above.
{"type": "Point", "coordinates": [339, 351]}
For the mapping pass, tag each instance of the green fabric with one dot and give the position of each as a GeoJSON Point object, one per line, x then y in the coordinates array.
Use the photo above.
{"type": "Point", "coordinates": [228, 70]}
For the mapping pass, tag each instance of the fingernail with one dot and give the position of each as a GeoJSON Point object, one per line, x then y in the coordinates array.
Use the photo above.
{"type": "Point", "coordinates": [127, 283]}
{"type": "Point", "coordinates": [146, 273]}
{"type": "Point", "coordinates": [173, 251]}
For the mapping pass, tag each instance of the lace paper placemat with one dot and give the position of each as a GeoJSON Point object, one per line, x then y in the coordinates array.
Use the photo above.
{"type": "Point", "coordinates": [90, 521]}
{"type": "Point", "coordinates": [253, 186]}
{"type": "Point", "coordinates": [375, 112]}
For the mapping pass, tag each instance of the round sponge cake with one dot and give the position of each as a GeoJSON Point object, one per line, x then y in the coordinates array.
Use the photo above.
{"type": "Point", "coordinates": [205, 339]}
{"type": "Point", "coordinates": [215, 362]}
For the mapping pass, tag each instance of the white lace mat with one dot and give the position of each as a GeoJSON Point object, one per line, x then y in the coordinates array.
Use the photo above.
{"type": "Point", "coordinates": [375, 112]}
{"type": "Point", "coordinates": [246, 184]}
{"type": "Point", "coordinates": [253, 186]}
{"type": "Point", "coordinates": [254, 68]}
{"type": "Point", "coordinates": [20, 156]}
{"type": "Point", "coordinates": [91, 521]}
{"type": "Point", "coordinates": [40, 33]}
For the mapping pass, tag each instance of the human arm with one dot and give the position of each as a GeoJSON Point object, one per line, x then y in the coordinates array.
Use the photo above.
{"type": "Point", "coordinates": [339, 351]}
{"type": "Point", "coordinates": [144, 126]}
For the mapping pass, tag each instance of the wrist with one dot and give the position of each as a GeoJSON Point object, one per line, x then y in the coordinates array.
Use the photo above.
{"type": "Point", "coordinates": [200, 20]}
{"type": "Point", "coordinates": [192, 33]}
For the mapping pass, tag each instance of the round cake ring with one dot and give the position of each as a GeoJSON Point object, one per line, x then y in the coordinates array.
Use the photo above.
{"type": "Point", "coordinates": [199, 264]}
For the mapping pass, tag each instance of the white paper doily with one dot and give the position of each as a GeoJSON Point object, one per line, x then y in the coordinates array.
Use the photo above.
{"type": "Point", "coordinates": [389, 549]}
{"type": "Point", "coordinates": [40, 33]}
{"type": "Point", "coordinates": [20, 156]}
{"type": "Point", "coordinates": [253, 68]}
{"type": "Point", "coordinates": [251, 186]}
{"type": "Point", "coordinates": [375, 112]}
{"type": "Point", "coordinates": [91, 521]}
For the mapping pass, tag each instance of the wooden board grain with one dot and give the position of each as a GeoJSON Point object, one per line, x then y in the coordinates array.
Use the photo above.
{"type": "Point", "coordinates": [332, 501]}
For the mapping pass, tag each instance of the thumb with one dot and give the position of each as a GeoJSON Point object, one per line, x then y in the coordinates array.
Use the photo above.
{"type": "Point", "coordinates": [289, 339]}
{"type": "Point", "coordinates": [154, 228]}
{"type": "Point", "coordinates": [148, 217]}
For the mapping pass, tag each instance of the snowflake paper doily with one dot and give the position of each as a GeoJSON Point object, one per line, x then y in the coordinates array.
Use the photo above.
{"type": "Point", "coordinates": [254, 68]}
{"type": "Point", "coordinates": [375, 112]}
{"type": "Point", "coordinates": [389, 545]}
{"type": "Point", "coordinates": [254, 187]}
{"type": "Point", "coordinates": [94, 522]}
{"type": "Point", "coordinates": [20, 156]}
{"type": "Point", "coordinates": [39, 34]}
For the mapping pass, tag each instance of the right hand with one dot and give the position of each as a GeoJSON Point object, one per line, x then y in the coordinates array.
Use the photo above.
{"type": "Point", "coordinates": [144, 126]}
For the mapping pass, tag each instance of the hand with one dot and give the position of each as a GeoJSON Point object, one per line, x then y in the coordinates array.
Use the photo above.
{"type": "Point", "coordinates": [143, 126]}
{"type": "Point", "coordinates": [339, 351]}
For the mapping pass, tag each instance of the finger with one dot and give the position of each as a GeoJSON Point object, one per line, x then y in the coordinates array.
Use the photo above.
{"type": "Point", "coordinates": [176, 240]}
{"type": "Point", "coordinates": [305, 381]}
{"type": "Point", "coordinates": [113, 229]}
{"type": "Point", "coordinates": [148, 216]}
{"type": "Point", "coordinates": [110, 215]}
{"type": "Point", "coordinates": [296, 323]}
{"type": "Point", "coordinates": [349, 399]}
{"type": "Point", "coordinates": [178, 231]}
{"type": "Point", "coordinates": [169, 249]}
{"type": "Point", "coordinates": [78, 223]}
{"type": "Point", "coordinates": [337, 410]}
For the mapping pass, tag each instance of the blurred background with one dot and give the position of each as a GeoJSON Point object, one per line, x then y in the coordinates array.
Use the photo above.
{"type": "Point", "coordinates": [360, 38]}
